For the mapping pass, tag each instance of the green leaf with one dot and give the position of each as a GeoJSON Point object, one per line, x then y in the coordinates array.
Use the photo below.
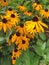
{"type": "Point", "coordinates": [34, 59]}
{"type": "Point", "coordinates": [47, 51]}
{"type": "Point", "coordinates": [5, 60]}
{"type": "Point", "coordinates": [47, 45]}
{"type": "Point", "coordinates": [44, 1]}
{"type": "Point", "coordinates": [42, 36]}
{"type": "Point", "coordinates": [39, 48]}
{"type": "Point", "coordinates": [1, 38]}
{"type": "Point", "coordinates": [28, 58]}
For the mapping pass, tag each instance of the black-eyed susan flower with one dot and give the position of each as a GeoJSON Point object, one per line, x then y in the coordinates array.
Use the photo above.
{"type": "Point", "coordinates": [4, 3]}
{"type": "Point", "coordinates": [9, 11]}
{"type": "Point", "coordinates": [16, 37]}
{"type": "Point", "coordinates": [22, 8]}
{"type": "Point", "coordinates": [13, 17]}
{"type": "Point", "coordinates": [28, 13]}
{"type": "Point", "coordinates": [35, 25]}
{"type": "Point", "coordinates": [5, 24]}
{"type": "Point", "coordinates": [45, 13]}
{"type": "Point", "coordinates": [37, 6]}
{"type": "Point", "coordinates": [21, 29]}
{"type": "Point", "coordinates": [24, 43]}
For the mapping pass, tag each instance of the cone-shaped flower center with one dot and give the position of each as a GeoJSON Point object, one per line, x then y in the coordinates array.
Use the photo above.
{"type": "Point", "coordinates": [38, 2]}
{"type": "Point", "coordinates": [46, 10]}
{"type": "Point", "coordinates": [14, 58]}
{"type": "Point", "coordinates": [12, 15]}
{"type": "Point", "coordinates": [4, 20]}
{"type": "Point", "coordinates": [22, 25]}
{"type": "Point", "coordinates": [17, 34]}
{"type": "Point", "coordinates": [10, 9]}
{"type": "Point", "coordinates": [4, 0]}
{"type": "Point", "coordinates": [23, 41]}
{"type": "Point", "coordinates": [15, 50]}
{"type": "Point", "coordinates": [35, 18]}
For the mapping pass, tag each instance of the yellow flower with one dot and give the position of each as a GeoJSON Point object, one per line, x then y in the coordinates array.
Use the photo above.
{"type": "Point", "coordinates": [4, 3]}
{"type": "Point", "coordinates": [5, 24]}
{"type": "Point", "coordinates": [10, 11]}
{"type": "Point", "coordinates": [35, 25]}
{"type": "Point", "coordinates": [24, 43]}
{"type": "Point", "coordinates": [16, 53]}
{"type": "Point", "coordinates": [37, 6]}
{"type": "Point", "coordinates": [21, 29]}
{"type": "Point", "coordinates": [13, 17]}
{"type": "Point", "coordinates": [22, 8]}
{"type": "Point", "coordinates": [16, 37]}
{"type": "Point", "coordinates": [28, 13]}
{"type": "Point", "coordinates": [44, 13]}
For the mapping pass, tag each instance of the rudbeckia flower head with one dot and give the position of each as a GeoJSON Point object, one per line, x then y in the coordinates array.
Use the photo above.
{"type": "Point", "coordinates": [22, 8]}
{"type": "Point", "coordinates": [5, 24]}
{"type": "Point", "coordinates": [28, 13]}
{"type": "Point", "coordinates": [44, 13]}
{"type": "Point", "coordinates": [4, 3]}
{"type": "Point", "coordinates": [35, 25]}
{"type": "Point", "coordinates": [21, 29]}
{"type": "Point", "coordinates": [37, 6]}
{"type": "Point", "coordinates": [24, 43]}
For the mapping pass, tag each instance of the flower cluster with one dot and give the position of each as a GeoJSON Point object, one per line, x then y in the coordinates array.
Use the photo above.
{"type": "Point", "coordinates": [24, 31]}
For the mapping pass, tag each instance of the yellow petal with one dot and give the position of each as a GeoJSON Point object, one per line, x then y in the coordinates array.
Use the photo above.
{"type": "Point", "coordinates": [14, 38]}
{"type": "Point", "coordinates": [43, 24]}
{"type": "Point", "coordinates": [4, 27]}
{"type": "Point", "coordinates": [9, 26]}
{"type": "Point", "coordinates": [0, 26]}
{"type": "Point", "coordinates": [41, 28]}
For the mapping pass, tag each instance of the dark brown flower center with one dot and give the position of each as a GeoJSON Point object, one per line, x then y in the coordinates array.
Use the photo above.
{"type": "Point", "coordinates": [46, 10]}
{"type": "Point", "coordinates": [4, 0]}
{"type": "Point", "coordinates": [4, 20]}
{"type": "Point", "coordinates": [12, 15]}
{"type": "Point", "coordinates": [15, 50]}
{"type": "Point", "coordinates": [10, 9]}
{"type": "Point", "coordinates": [22, 25]}
{"type": "Point", "coordinates": [23, 41]}
{"type": "Point", "coordinates": [14, 58]}
{"type": "Point", "coordinates": [17, 33]}
{"type": "Point", "coordinates": [35, 18]}
{"type": "Point", "coordinates": [21, 4]}
{"type": "Point", "coordinates": [38, 2]}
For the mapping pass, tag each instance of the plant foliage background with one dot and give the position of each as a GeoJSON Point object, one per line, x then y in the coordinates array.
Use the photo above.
{"type": "Point", "coordinates": [38, 51]}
